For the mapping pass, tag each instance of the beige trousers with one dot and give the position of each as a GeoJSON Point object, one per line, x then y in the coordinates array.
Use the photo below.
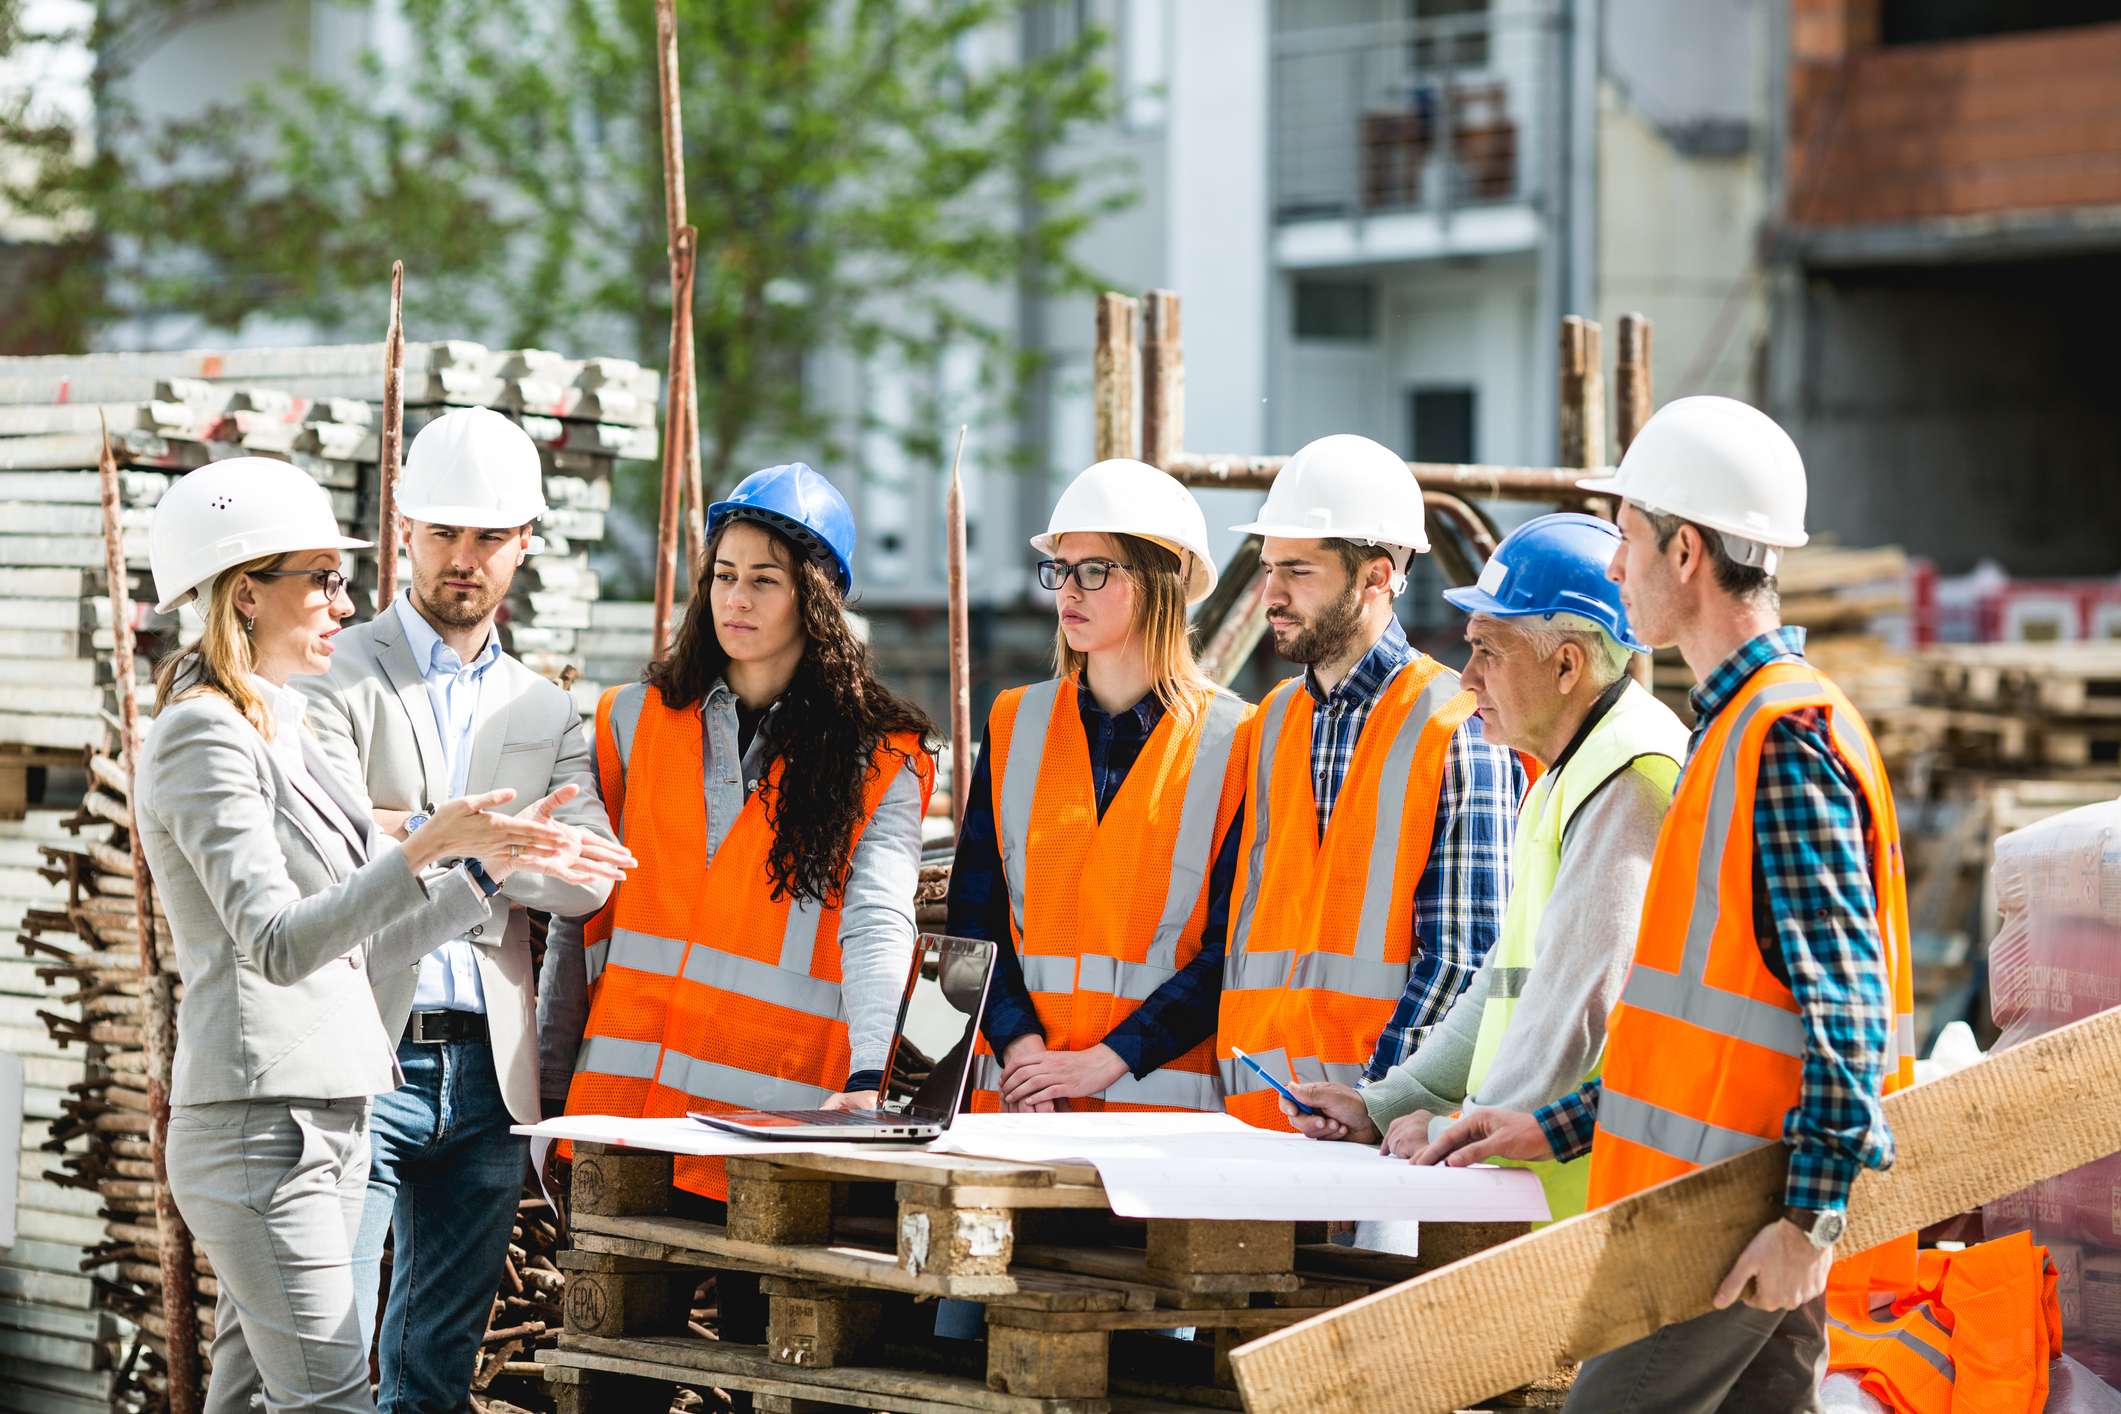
{"type": "Point", "coordinates": [272, 1191]}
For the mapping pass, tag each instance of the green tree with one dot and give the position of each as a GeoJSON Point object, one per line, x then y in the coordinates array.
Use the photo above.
{"type": "Point", "coordinates": [851, 167]}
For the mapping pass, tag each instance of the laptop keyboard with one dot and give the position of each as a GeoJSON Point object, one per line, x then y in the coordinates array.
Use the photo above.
{"type": "Point", "coordinates": [842, 1117]}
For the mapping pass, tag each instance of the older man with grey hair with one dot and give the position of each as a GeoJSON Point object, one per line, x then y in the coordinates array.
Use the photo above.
{"type": "Point", "coordinates": [1549, 670]}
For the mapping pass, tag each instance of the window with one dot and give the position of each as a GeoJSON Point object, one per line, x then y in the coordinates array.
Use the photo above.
{"type": "Point", "coordinates": [1336, 309]}
{"type": "Point", "coordinates": [1440, 424]}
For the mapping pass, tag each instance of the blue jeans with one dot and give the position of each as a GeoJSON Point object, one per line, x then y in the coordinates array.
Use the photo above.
{"type": "Point", "coordinates": [444, 1175]}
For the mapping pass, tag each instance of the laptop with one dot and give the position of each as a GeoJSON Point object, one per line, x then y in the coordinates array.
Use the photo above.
{"type": "Point", "coordinates": [930, 1061]}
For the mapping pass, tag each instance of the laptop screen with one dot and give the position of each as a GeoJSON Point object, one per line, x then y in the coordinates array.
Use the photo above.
{"type": "Point", "coordinates": [938, 1019]}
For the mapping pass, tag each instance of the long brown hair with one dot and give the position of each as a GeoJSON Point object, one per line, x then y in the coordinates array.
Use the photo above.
{"type": "Point", "coordinates": [223, 660]}
{"type": "Point", "coordinates": [833, 720]}
{"type": "Point", "coordinates": [1159, 623]}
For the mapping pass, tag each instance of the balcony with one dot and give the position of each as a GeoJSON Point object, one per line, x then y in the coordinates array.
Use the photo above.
{"type": "Point", "coordinates": [1413, 139]}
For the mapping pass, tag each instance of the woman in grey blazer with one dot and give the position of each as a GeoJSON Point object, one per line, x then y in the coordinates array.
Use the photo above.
{"type": "Point", "coordinates": [281, 898]}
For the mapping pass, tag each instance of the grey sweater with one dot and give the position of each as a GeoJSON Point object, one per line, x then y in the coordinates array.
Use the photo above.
{"type": "Point", "coordinates": [1586, 939]}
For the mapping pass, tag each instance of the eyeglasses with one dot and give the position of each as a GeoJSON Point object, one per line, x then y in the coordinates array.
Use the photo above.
{"type": "Point", "coordinates": [1090, 574]}
{"type": "Point", "coordinates": [330, 581]}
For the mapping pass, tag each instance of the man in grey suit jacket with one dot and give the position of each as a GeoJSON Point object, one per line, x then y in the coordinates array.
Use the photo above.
{"type": "Point", "coordinates": [422, 705]}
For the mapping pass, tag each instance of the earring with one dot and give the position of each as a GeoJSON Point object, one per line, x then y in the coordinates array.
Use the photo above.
{"type": "Point", "coordinates": [250, 625]}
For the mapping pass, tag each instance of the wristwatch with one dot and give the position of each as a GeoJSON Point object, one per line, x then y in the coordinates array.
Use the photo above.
{"type": "Point", "coordinates": [1822, 1227]}
{"type": "Point", "coordinates": [415, 820]}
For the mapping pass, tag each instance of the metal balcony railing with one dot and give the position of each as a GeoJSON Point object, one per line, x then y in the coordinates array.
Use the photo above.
{"type": "Point", "coordinates": [1415, 115]}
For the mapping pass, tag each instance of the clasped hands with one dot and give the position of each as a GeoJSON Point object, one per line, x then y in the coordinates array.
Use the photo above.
{"type": "Point", "coordinates": [473, 827]}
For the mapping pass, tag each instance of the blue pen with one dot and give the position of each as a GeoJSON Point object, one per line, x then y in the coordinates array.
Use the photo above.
{"type": "Point", "coordinates": [1285, 1092]}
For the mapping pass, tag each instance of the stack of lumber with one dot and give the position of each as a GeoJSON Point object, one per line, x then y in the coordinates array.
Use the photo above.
{"type": "Point", "coordinates": [56, 1341]}
{"type": "Point", "coordinates": [81, 941]}
{"type": "Point", "coordinates": [317, 408]}
{"type": "Point", "coordinates": [2030, 709]}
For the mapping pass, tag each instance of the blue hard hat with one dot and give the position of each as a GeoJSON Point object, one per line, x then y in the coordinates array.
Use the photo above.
{"type": "Point", "coordinates": [1553, 564]}
{"type": "Point", "coordinates": [802, 505]}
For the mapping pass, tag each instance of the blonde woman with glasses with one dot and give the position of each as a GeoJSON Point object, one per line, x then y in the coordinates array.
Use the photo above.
{"type": "Point", "coordinates": [1097, 841]}
{"type": "Point", "coordinates": [283, 900]}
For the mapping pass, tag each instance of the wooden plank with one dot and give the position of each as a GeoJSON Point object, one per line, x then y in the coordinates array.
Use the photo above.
{"type": "Point", "coordinates": [690, 1360]}
{"type": "Point", "coordinates": [1611, 1276]}
{"type": "Point", "coordinates": [701, 1244]}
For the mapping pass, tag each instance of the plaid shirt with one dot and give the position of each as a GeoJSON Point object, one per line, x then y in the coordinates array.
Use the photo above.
{"type": "Point", "coordinates": [1458, 902]}
{"type": "Point", "coordinates": [1815, 901]}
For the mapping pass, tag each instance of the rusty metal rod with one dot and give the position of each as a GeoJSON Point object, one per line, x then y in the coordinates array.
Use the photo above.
{"type": "Point", "coordinates": [682, 253]}
{"type": "Point", "coordinates": [1523, 483]}
{"type": "Point", "coordinates": [960, 643]}
{"type": "Point", "coordinates": [391, 446]}
{"type": "Point", "coordinates": [158, 996]}
{"type": "Point", "coordinates": [1114, 380]}
{"type": "Point", "coordinates": [1163, 379]}
{"type": "Point", "coordinates": [683, 419]}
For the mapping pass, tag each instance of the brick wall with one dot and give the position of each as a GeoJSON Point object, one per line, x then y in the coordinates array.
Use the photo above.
{"type": "Point", "coordinates": [1962, 128]}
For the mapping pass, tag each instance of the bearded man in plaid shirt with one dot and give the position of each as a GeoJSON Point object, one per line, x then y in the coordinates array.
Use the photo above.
{"type": "Point", "coordinates": [1769, 997]}
{"type": "Point", "coordinates": [1378, 824]}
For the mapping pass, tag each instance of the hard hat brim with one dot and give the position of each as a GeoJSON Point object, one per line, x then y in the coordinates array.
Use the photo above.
{"type": "Point", "coordinates": [1611, 486]}
{"type": "Point", "coordinates": [1201, 575]}
{"type": "Point", "coordinates": [177, 600]}
{"type": "Point", "coordinates": [471, 517]}
{"type": "Point", "coordinates": [1263, 529]}
{"type": "Point", "coordinates": [1472, 599]}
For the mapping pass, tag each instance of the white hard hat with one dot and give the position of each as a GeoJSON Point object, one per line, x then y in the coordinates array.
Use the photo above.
{"type": "Point", "coordinates": [1345, 487]}
{"type": "Point", "coordinates": [1125, 497]}
{"type": "Point", "coordinates": [1719, 463]}
{"type": "Point", "coordinates": [473, 467]}
{"type": "Point", "coordinates": [230, 512]}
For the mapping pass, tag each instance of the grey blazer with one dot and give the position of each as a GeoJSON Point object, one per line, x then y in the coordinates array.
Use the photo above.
{"type": "Point", "coordinates": [373, 718]}
{"type": "Point", "coordinates": [278, 913]}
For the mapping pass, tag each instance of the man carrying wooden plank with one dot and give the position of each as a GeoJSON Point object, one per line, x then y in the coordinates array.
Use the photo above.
{"type": "Point", "coordinates": [1770, 994]}
{"type": "Point", "coordinates": [1549, 669]}
{"type": "Point", "coordinates": [1375, 859]}
{"type": "Point", "coordinates": [420, 706]}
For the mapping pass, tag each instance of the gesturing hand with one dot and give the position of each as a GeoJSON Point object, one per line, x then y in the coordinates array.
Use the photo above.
{"type": "Point", "coordinates": [586, 859]}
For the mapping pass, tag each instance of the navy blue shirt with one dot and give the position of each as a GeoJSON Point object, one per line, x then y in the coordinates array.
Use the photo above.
{"type": "Point", "coordinates": [1178, 1015]}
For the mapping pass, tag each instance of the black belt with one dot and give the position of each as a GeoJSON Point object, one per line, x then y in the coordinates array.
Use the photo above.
{"type": "Point", "coordinates": [433, 1028]}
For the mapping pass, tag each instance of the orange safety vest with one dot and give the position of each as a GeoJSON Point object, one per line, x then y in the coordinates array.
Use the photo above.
{"type": "Point", "coordinates": [1105, 911]}
{"type": "Point", "coordinates": [708, 992]}
{"type": "Point", "coordinates": [1705, 1052]}
{"type": "Point", "coordinates": [1322, 941]}
{"type": "Point", "coordinates": [1975, 1331]}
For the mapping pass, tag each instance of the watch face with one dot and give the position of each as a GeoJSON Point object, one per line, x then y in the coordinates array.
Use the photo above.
{"type": "Point", "coordinates": [1827, 1231]}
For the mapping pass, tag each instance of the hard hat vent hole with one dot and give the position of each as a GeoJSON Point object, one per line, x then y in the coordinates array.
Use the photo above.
{"type": "Point", "coordinates": [222, 503]}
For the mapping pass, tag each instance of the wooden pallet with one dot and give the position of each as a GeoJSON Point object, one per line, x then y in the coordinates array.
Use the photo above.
{"type": "Point", "coordinates": [2007, 741]}
{"type": "Point", "coordinates": [2044, 679]}
{"type": "Point", "coordinates": [851, 1250]}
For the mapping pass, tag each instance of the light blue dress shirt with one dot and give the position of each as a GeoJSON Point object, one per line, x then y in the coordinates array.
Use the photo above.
{"type": "Point", "coordinates": [449, 976]}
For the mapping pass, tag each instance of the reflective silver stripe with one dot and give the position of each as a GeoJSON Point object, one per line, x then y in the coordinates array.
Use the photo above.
{"type": "Point", "coordinates": [593, 959]}
{"type": "Point", "coordinates": [1507, 983]}
{"type": "Point", "coordinates": [1936, 1359]}
{"type": "Point", "coordinates": [644, 952]}
{"type": "Point", "coordinates": [799, 936]}
{"type": "Point", "coordinates": [1904, 1029]}
{"type": "Point", "coordinates": [733, 1086]}
{"type": "Point", "coordinates": [1690, 1141]}
{"type": "Point", "coordinates": [1348, 976]}
{"type": "Point", "coordinates": [1256, 971]}
{"type": "Point", "coordinates": [762, 981]}
{"type": "Point", "coordinates": [1027, 750]}
{"type": "Point", "coordinates": [1686, 995]}
{"type": "Point", "coordinates": [1272, 714]}
{"type": "Point", "coordinates": [625, 719]}
{"type": "Point", "coordinates": [1046, 973]}
{"type": "Point", "coordinates": [1381, 888]}
{"type": "Point", "coordinates": [986, 1073]}
{"type": "Point", "coordinates": [1129, 981]}
{"type": "Point", "coordinates": [1182, 1089]}
{"type": "Point", "coordinates": [608, 1055]}
{"type": "Point", "coordinates": [1196, 826]}
{"type": "Point", "coordinates": [1239, 1078]}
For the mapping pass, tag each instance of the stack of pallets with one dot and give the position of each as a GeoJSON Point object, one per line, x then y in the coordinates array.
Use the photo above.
{"type": "Point", "coordinates": [2032, 709]}
{"type": "Point", "coordinates": [852, 1250]}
